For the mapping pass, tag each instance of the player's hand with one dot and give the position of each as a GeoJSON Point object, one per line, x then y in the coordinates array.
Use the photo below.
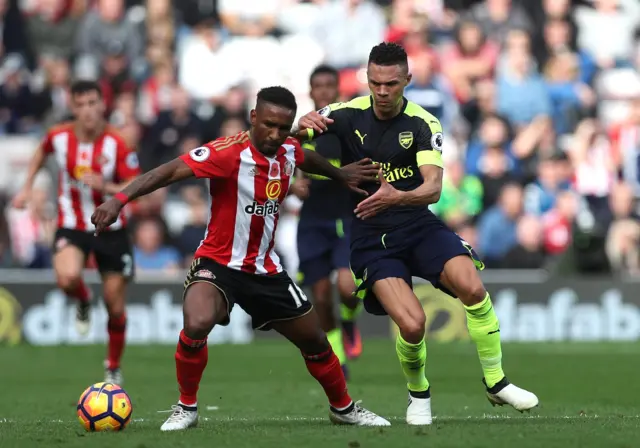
{"type": "Point", "coordinates": [300, 187]}
{"type": "Point", "coordinates": [106, 214]}
{"type": "Point", "coordinates": [21, 199]}
{"type": "Point", "coordinates": [93, 180]}
{"type": "Point", "coordinates": [361, 171]}
{"type": "Point", "coordinates": [385, 197]}
{"type": "Point", "coordinates": [313, 120]}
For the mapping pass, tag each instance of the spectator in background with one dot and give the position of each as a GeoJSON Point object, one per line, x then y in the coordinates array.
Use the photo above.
{"type": "Point", "coordinates": [156, 92]}
{"type": "Point", "coordinates": [149, 252]}
{"type": "Point", "coordinates": [625, 139]}
{"type": "Point", "coordinates": [546, 12]}
{"type": "Point", "coordinates": [32, 229]}
{"type": "Point", "coordinates": [200, 61]}
{"type": "Point", "coordinates": [607, 30]}
{"type": "Point", "coordinates": [623, 237]}
{"type": "Point", "coordinates": [493, 133]}
{"type": "Point", "coordinates": [54, 97]}
{"type": "Point", "coordinates": [470, 59]}
{"type": "Point", "coordinates": [533, 142]}
{"type": "Point", "coordinates": [16, 99]}
{"type": "Point", "coordinates": [193, 232]}
{"type": "Point", "coordinates": [52, 29]}
{"type": "Point", "coordinates": [528, 253]}
{"type": "Point", "coordinates": [498, 17]}
{"type": "Point", "coordinates": [106, 28]}
{"type": "Point", "coordinates": [558, 222]}
{"type": "Point", "coordinates": [570, 98]}
{"type": "Point", "coordinates": [557, 40]}
{"type": "Point", "coordinates": [232, 126]}
{"type": "Point", "coordinates": [522, 95]}
{"type": "Point", "coordinates": [495, 175]}
{"type": "Point", "coordinates": [461, 197]}
{"type": "Point", "coordinates": [431, 91]}
{"type": "Point", "coordinates": [595, 166]}
{"type": "Point", "coordinates": [171, 127]}
{"type": "Point", "coordinates": [481, 105]}
{"type": "Point", "coordinates": [13, 38]}
{"type": "Point", "coordinates": [356, 26]}
{"type": "Point", "coordinates": [497, 226]}
{"type": "Point", "coordinates": [234, 105]}
{"type": "Point", "coordinates": [248, 17]}
{"type": "Point", "coordinates": [115, 78]}
{"type": "Point", "coordinates": [540, 196]}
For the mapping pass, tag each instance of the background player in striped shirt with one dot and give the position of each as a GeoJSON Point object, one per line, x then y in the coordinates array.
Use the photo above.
{"type": "Point", "coordinates": [249, 176]}
{"type": "Point", "coordinates": [323, 233]}
{"type": "Point", "coordinates": [93, 164]}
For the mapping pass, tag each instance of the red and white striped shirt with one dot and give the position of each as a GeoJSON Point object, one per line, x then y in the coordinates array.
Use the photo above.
{"type": "Point", "coordinates": [107, 155]}
{"type": "Point", "coordinates": [246, 190]}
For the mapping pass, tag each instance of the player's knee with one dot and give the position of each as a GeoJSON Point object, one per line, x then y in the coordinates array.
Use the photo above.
{"type": "Point", "coordinates": [315, 345]}
{"type": "Point", "coordinates": [197, 325]}
{"type": "Point", "coordinates": [68, 282]}
{"type": "Point", "coordinates": [115, 308]}
{"type": "Point", "coordinates": [473, 294]}
{"type": "Point", "coordinates": [412, 328]}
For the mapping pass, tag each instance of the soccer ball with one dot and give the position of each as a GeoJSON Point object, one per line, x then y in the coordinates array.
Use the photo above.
{"type": "Point", "coordinates": [104, 407]}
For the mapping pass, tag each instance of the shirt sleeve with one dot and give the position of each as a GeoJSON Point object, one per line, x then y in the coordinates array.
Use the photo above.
{"type": "Point", "coordinates": [339, 113]}
{"type": "Point", "coordinates": [127, 165]}
{"type": "Point", "coordinates": [47, 143]}
{"type": "Point", "coordinates": [208, 162]}
{"type": "Point", "coordinates": [429, 142]}
{"type": "Point", "coordinates": [298, 151]}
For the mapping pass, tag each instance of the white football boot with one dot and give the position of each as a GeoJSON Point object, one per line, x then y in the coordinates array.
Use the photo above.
{"type": "Point", "coordinates": [83, 317]}
{"type": "Point", "coordinates": [506, 393]}
{"type": "Point", "coordinates": [356, 415]}
{"type": "Point", "coordinates": [419, 411]}
{"type": "Point", "coordinates": [113, 376]}
{"type": "Point", "coordinates": [183, 417]}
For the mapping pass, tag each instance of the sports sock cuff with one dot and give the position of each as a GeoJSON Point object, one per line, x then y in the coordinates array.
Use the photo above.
{"type": "Point", "coordinates": [117, 323]}
{"type": "Point", "coordinates": [189, 343]}
{"type": "Point", "coordinates": [480, 306]}
{"type": "Point", "coordinates": [319, 357]}
{"type": "Point", "coordinates": [347, 314]}
{"type": "Point", "coordinates": [402, 343]}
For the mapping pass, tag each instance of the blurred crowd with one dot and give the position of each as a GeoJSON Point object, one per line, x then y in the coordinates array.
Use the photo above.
{"type": "Point", "coordinates": [540, 101]}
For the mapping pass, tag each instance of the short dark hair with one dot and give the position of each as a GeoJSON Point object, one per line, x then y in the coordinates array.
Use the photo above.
{"type": "Point", "coordinates": [388, 53]}
{"type": "Point", "coordinates": [278, 95]}
{"type": "Point", "coordinates": [324, 69]}
{"type": "Point", "coordinates": [85, 86]}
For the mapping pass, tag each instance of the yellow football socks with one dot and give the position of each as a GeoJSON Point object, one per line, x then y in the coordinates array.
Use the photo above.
{"type": "Point", "coordinates": [484, 329]}
{"type": "Point", "coordinates": [413, 358]}
{"type": "Point", "coordinates": [335, 339]}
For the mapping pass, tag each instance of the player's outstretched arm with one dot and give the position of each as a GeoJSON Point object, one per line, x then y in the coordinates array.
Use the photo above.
{"type": "Point", "coordinates": [166, 174]}
{"type": "Point", "coordinates": [351, 175]}
{"type": "Point", "coordinates": [35, 164]}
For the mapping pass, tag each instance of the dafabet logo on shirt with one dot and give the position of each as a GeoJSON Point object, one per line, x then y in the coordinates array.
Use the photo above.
{"type": "Point", "coordinates": [271, 206]}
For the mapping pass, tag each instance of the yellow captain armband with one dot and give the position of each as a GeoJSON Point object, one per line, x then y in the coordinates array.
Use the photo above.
{"type": "Point", "coordinates": [431, 157]}
{"type": "Point", "coordinates": [310, 133]}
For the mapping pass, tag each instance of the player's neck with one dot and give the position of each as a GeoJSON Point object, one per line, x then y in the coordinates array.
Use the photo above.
{"type": "Point", "coordinates": [389, 115]}
{"type": "Point", "coordinates": [87, 136]}
{"type": "Point", "coordinates": [256, 147]}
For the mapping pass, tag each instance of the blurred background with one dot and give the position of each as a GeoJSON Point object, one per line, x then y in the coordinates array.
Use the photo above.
{"type": "Point", "coordinates": [539, 99]}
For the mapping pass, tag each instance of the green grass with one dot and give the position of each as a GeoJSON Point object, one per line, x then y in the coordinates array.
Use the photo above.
{"type": "Point", "coordinates": [589, 398]}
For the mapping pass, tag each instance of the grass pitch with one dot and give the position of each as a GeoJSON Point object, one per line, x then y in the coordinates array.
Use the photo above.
{"type": "Point", "coordinates": [260, 395]}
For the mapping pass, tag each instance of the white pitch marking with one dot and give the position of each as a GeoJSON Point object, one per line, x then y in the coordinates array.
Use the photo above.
{"type": "Point", "coordinates": [322, 419]}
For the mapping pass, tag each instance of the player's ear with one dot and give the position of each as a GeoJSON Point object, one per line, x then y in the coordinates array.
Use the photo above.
{"type": "Point", "coordinates": [409, 76]}
{"type": "Point", "coordinates": [252, 117]}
